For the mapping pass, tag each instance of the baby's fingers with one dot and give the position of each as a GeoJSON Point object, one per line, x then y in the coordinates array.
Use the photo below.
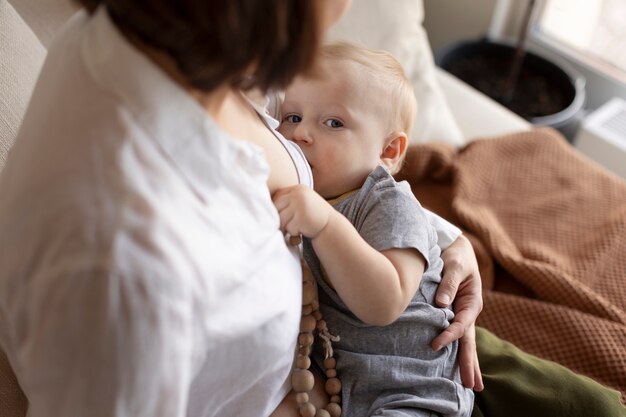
{"type": "Point", "coordinates": [286, 215]}
{"type": "Point", "coordinates": [281, 198]}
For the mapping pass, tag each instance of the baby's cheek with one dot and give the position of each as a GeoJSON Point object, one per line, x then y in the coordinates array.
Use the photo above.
{"type": "Point", "coordinates": [283, 131]}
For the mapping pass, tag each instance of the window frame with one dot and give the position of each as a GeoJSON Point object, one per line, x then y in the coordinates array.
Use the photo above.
{"type": "Point", "coordinates": [572, 53]}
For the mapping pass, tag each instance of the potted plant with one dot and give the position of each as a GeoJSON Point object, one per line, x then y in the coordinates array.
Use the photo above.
{"type": "Point", "coordinates": [539, 89]}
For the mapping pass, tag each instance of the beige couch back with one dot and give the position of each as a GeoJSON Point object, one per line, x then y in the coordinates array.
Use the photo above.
{"type": "Point", "coordinates": [26, 29]}
{"type": "Point", "coordinates": [21, 55]}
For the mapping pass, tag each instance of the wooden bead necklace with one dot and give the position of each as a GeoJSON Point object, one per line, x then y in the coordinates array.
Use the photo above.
{"type": "Point", "coordinates": [302, 379]}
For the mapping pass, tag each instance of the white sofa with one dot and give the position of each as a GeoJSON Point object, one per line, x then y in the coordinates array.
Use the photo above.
{"type": "Point", "coordinates": [450, 110]}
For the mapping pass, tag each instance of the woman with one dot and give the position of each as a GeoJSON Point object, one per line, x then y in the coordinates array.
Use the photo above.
{"type": "Point", "coordinates": [141, 262]}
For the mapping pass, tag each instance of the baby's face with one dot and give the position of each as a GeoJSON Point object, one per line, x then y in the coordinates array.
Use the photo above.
{"type": "Point", "coordinates": [339, 121]}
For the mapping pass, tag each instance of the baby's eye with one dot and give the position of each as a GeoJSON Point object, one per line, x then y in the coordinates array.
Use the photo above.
{"type": "Point", "coordinates": [293, 118]}
{"type": "Point", "coordinates": [334, 123]}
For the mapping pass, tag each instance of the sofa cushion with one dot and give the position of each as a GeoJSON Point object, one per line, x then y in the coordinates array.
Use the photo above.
{"type": "Point", "coordinates": [22, 56]}
{"type": "Point", "coordinates": [398, 29]}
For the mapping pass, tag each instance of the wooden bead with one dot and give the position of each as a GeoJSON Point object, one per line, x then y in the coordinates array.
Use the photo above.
{"type": "Point", "coordinates": [333, 409]}
{"type": "Point", "coordinates": [295, 240]}
{"type": "Point", "coordinates": [302, 380]}
{"type": "Point", "coordinates": [333, 386]}
{"type": "Point", "coordinates": [303, 362]}
{"type": "Point", "coordinates": [330, 363]}
{"type": "Point", "coordinates": [307, 323]}
{"type": "Point", "coordinates": [308, 295]}
{"type": "Point", "coordinates": [305, 339]}
{"type": "Point", "coordinates": [306, 272]}
{"type": "Point", "coordinates": [307, 410]}
{"type": "Point", "coordinates": [321, 325]}
{"type": "Point", "coordinates": [302, 397]}
{"type": "Point", "coordinates": [307, 309]}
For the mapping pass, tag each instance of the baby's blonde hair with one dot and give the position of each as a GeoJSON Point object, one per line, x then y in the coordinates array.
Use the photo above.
{"type": "Point", "coordinates": [387, 72]}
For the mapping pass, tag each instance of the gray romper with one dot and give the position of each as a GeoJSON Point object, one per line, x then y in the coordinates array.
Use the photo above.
{"type": "Point", "coordinates": [392, 370]}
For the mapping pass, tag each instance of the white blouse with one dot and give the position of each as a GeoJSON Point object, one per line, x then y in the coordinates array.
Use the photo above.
{"type": "Point", "coordinates": [142, 270]}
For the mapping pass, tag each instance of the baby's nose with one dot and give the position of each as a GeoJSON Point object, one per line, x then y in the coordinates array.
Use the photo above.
{"type": "Point", "coordinates": [302, 134]}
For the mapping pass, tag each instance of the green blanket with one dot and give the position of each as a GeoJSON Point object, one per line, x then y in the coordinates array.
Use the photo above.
{"type": "Point", "coordinates": [520, 384]}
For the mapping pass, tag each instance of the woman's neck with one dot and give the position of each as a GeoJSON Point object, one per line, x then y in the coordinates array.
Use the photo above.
{"type": "Point", "coordinates": [212, 101]}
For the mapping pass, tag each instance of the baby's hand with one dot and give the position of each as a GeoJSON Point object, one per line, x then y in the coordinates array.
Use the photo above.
{"type": "Point", "coordinates": [302, 211]}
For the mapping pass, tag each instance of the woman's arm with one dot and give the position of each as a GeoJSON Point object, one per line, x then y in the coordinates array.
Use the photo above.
{"type": "Point", "coordinates": [376, 286]}
{"type": "Point", "coordinates": [461, 285]}
{"type": "Point", "coordinates": [123, 350]}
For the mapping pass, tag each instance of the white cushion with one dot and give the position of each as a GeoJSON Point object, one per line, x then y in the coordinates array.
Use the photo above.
{"type": "Point", "coordinates": [22, 56]}
{"type": "Point", "coordinates": [396, 26]}
{"type": "Point", "coordinates": [477, 115]}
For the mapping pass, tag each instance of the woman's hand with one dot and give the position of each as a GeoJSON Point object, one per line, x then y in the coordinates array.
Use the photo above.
{"type": "Point", "coordinates": [461, 285]}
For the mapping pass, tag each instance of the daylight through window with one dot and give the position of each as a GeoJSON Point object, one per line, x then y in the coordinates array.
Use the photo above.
{"type": "Point", "coordinates": [593, 31]}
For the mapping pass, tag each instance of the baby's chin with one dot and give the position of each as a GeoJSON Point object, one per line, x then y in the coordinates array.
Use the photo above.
{"type": "Point", "coordinates": [327, 194]}
{"type": "Point", "coordinates": [327, 189]}
{"type": "Point", "coordinates": [320, 190]}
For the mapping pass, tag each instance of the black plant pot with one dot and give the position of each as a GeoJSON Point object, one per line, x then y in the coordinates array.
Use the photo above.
{"type": "Point", "coordinates": [546, 93]}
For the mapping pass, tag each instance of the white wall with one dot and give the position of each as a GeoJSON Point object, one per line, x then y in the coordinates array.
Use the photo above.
{"type": "Point", "coordinates": [452, 20]}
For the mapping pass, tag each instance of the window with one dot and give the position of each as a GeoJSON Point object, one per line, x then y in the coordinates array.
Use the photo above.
{"type": "Point", "coordinates": [591, 31]}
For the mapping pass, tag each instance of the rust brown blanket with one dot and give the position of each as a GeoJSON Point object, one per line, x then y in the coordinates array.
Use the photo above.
{"type": "Point", "coordinates": [549, 228]}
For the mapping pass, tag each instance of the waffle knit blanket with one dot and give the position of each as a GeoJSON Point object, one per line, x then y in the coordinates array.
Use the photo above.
{"type": "Point", "coordinates": [549, 230]}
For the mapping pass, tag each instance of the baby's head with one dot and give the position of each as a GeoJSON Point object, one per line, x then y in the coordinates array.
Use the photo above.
{"type": "Point", "coordinates": [349, 116]}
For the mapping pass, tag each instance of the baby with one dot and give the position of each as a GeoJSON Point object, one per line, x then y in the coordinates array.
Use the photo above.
{"type": "Point", "coordinates": [369, 245]}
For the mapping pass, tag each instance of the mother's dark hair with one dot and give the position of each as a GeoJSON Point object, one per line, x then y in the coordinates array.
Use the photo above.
{"type": "Point", "coordinates": [246, 43]}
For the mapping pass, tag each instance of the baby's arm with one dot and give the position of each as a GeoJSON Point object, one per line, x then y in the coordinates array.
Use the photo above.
{"type": "Point", "coordinates": [376, 286]}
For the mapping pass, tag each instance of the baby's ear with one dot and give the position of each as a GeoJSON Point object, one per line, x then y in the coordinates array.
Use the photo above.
{"type": "Point", "coordinates": [394, 149]}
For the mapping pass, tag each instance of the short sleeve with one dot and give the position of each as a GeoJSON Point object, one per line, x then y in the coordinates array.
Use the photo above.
{"type": "Point", "coordinates": [391, 217]}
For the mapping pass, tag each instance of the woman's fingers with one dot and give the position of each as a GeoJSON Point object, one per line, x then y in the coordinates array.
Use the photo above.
{"type": "Point", "coordinates": [452, 278]}
{"type": "Point", "coordinates": [461, 277]}
{"type": "Point", "coordinates": [468, 361]}
{"type": "Point", "coordinates": [468, 358]}
{"type": "Point", "coordinates": [478, 376]}
{"type": "Point", "coordinates": [454, 332]}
